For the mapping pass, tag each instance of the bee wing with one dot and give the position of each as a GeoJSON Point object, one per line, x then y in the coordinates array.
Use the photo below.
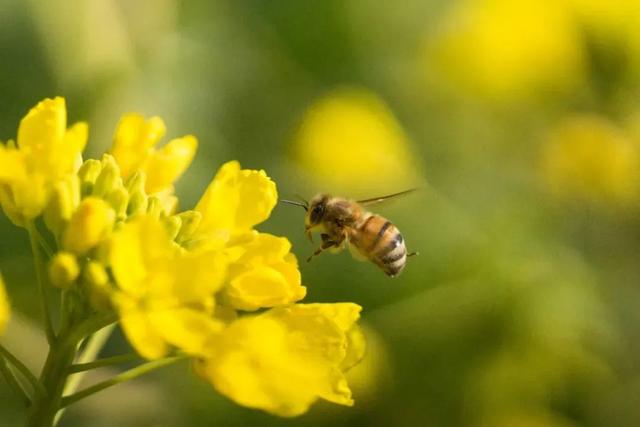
{"type": "Point", "coordinates": [374, 200]}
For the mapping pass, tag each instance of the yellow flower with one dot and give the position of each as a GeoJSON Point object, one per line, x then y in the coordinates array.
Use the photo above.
{"type": "Point", "coordinates": [509, 50]}
{"type": "Point", "coordinates": [46, 153]}
{"type": "Point", "coordinates": [235, 201]}
{"type": "Point", "coordinates": [285, 359]}
{"type": "Point", "coordinates": [89, 225]}
{"type": "Point", "coordinates": [350, 141]}
{"type": "Point", "coordinates": [164, 294]}
{"type": "Point", "coordinates": [265, 275]}
{"type": "Point", "coordinates": [263, 271]}
{"type": "Point", "coordinates": [4, 307]}
{"type": "Point", "coordinates": [133, 149]}
{"type": "Point", "coordinates": [587, 157]}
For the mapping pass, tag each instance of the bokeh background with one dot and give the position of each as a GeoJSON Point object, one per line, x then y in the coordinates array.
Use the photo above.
{"type": "Point", "coordinates": [519, 120]}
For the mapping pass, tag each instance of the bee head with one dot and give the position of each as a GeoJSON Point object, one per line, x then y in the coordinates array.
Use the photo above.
{"type": "Point", "coordinates": [317, 209]}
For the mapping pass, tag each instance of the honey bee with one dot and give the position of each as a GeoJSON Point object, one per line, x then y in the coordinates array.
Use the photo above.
{"type": "Point", "coordinates": [346, 223]}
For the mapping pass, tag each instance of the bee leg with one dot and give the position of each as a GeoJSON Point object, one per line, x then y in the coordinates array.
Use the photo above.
{"type": "Point", "coordinates": [326, 244]}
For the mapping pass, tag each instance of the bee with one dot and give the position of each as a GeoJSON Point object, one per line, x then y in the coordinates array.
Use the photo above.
{"type": "Point", "coordinates": [346, 223]}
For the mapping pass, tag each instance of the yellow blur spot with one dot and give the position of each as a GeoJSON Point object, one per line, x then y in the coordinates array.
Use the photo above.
{"type": "Point", "coordinates": [350, 140]}
{"type": "Point", "coordinates": [509, 50]}
{"type": "Point", "coordinates": [589, 158]}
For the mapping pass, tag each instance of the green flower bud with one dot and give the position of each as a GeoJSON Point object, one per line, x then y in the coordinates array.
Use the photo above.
{"type": "Point", "coordinates": [119, 199]}
{"type": "Point", "coordinates": [63, 270]}
{"type": "Point", "coordinates": [155, 207]}
{"type": "Point", "coordinates": [108, 178]}
{"type": "Point", "coordinates": [190, 220]}
{"type": "Point", "coordinates": [88, 173]}
{"type": "Point", "coordinates": [173, 225]}
{"type": "Point", "coordinates": [137, 196]}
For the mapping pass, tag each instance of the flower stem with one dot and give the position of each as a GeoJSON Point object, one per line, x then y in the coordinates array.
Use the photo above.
{"type": "Point", "coordinates": [55, 371]}
{"type": "Point", "coordinates": [101, 363]}
{"type": "Point", "coordinates": [41, 275]}
{"type": "Point", "coordinates": [95, 343]}
{"type": "Point", "coordinates": [123, 377]}
{"type": "Point", "coordinates": [13, 383]}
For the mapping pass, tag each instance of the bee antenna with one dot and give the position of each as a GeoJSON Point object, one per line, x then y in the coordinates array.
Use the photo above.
{"type": "Point", "coordinates": [304, 204]}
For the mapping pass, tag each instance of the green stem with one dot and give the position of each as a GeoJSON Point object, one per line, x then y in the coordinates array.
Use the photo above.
{"type": "Point", "coordinates": [43, 243]}
{"type": "Point", "coordinates": [53, 378]}
{"type": "Point", "coordinates": [54, 373]}
{"type": "Point", "coordinates": [41, 274]}
{"type": "Point", "coordinates": [13, 382]}
{"type": "Point", "coordinates": [125, 376]}
{"type": "Point", "coordinates": [101, 363]}
{"type": "Point", "coordinates": [95, 343]}
{"type": "Point", "coordinates": [20, 367]}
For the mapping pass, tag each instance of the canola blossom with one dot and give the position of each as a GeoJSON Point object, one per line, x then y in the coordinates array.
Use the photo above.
{"type": "Point", "coordinates": [107, 237]}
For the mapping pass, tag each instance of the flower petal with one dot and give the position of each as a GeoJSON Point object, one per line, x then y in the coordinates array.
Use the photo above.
{"type": "Point", "coordinates": [139, 330]}
{"type": "Point", "coordinates": [166, 165]}
{"type": "Point", "coordinates": [187, 329]}
{"type": "Point", "coordinates": [44, 126]}
{"type": "Point", "coordinates": [236, 200]}
{"type": "Point", "coordinates": [133, 139]}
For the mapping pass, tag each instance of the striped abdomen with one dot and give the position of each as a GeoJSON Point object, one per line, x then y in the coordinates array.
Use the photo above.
{"type": "Point", "coordinates": [381, 242]}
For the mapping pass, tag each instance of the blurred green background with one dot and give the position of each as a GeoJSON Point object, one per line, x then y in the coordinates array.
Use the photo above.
{"type": "Point", "coordinates": [518, 120]}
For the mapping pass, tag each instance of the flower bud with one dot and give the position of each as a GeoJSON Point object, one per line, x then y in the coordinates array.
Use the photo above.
{"type": "Point", "coordinates": [155, 207]}
{"type": "Point", "coordinates": [173, 226]}
{"type": "Point", "coordinates": [63, 270]}
{"type": "Point", "coordinates": [118, 199]}
{"type": "Point", "coordinates": [190, 221]}
{"type": "Point", "coordinates": [96, 277]}
{"type": "Point", "coordinates": [64, 200]}
{"type": "Point", "coordinates": [90, 223]}
{"type": "Point", "coordinates": [137, 196]}
{"type": "Point", "coordinates": [88, 173]}
{"type": "Point", "coordinates": [108, 178]}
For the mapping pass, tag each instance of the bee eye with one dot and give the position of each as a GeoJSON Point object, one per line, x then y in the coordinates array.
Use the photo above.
{"type": "Point", "coordinates": [316, 213]}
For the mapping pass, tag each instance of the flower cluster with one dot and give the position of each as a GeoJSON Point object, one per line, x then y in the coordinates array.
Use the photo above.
{"type": "Point", "coordinates": [180, 282]}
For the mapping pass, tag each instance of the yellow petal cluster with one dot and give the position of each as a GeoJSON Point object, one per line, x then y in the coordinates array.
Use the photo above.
{"type": "Point", "coordinates": [285, 359]}
{"type": "Point", "coordinates": [265, 275]}
{"type": "Point", "coordinates": [133, 149]}
{"type": "Point", "coordinates": [164, 294]}
{"type": "Point", "coordinates": [4, 307]}
{"type": "Point", "coordinates": [262, 272]}
{"type": "Point", "coordinates": [46, 152]}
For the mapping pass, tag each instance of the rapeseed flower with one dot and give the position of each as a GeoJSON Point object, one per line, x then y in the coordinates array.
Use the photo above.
{"type": "Point", "coordinates": [179, 284]}
{"type": "Point", "coordinates": [262, 271]}
{"type": "Point", "coordinates": [46, 153]}
{"type": "Point", "coordinates": [285, 359]}
{"type": "Point", "coordinates": [164, 294]}
{"type": "Point", "coordinates": [134, 150]}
